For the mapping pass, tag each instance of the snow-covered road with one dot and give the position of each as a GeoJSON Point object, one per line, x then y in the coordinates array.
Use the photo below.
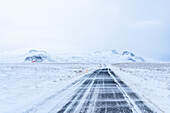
{"type": "Point", "coordinates": [99, 92]}
{"type": "Point", "coordinates": [62, 88]}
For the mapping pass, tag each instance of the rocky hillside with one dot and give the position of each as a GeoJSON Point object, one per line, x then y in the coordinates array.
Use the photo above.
{"type": "Point", "coordinates": [37, 56]}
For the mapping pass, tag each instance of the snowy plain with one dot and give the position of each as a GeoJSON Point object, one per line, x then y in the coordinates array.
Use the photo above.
{"type": "Point", "coordinates": [25, 85]}
{"type": "Point", "coordinates": [151, 81]}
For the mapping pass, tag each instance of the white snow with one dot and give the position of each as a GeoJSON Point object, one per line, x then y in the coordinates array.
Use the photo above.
{"type": "Point", "coordinates": [102, 56]}
{"type": "Point", "coordinates": [23, 86]}
{"type": "Point", "coordinates": [151, 81]}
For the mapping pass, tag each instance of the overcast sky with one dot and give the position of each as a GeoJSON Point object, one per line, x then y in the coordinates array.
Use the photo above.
{"type": "Point", "coordinates": [140, 26]}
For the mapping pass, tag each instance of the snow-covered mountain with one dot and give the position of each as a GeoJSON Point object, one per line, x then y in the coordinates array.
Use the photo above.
{"type": "Point", "coordinates": [38, 56]}
{"type": "Point", "coordinates": [114, 56]}
{"type": "Point", "coordinates": [132, 57]}
{"type": "Point", "coordinates": [103, 56]}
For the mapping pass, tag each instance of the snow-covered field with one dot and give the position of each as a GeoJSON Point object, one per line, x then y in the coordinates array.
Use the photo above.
{"type": "Point", "coordinates": [23, 86]}
{"type": "Point", "coordinates": [151, 81]}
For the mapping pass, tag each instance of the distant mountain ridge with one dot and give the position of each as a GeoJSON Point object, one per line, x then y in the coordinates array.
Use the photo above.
{"type": "Point", "coordinates": [133, 57]}
{"type": "Point", "coordinates": [105, 56]}
{"type": "Point", "coordinates": [126, 56]}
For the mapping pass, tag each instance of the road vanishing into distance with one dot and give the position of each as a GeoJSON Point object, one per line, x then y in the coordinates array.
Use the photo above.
{"type": "Point", "coordinates": [98, 92]}
{"type": "Point", "coordinates": [103, 92]}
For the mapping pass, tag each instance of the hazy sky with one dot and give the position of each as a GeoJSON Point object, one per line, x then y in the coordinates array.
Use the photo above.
{"type": "Point", "coordinates": [140, 26]}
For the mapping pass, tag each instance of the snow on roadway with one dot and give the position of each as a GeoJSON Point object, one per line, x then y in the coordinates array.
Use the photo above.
{"type": "Point", "coordinates": [24, 86]}
{"type": "Point", "coordinates": [151, 81]}
{"type": "Point", "coordinates": [103, 92]}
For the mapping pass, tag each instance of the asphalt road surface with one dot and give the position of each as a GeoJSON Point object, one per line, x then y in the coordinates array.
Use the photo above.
{"type": "Point", "coordinates": [103, 92]}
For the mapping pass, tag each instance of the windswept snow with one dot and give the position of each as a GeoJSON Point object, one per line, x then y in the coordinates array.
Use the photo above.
{"type": "Point", "coordinates": [24, 86]}
{"type": "Point", "coordinates": [150, 80]}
